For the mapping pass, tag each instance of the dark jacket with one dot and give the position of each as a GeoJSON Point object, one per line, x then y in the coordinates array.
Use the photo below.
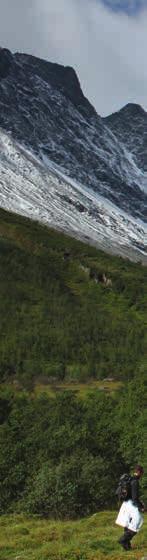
{"type": "Point", "coordinates": [135, 492]}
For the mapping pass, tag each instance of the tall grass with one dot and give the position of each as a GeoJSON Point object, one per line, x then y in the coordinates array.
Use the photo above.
{"type": "Point", "coordinates": [94, 538]}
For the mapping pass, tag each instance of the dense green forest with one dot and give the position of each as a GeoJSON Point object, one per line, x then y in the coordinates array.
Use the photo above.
{"type": "Point", "coordinates": [63, 457]}
{"type": "Point", "coordinates": [68, 312]}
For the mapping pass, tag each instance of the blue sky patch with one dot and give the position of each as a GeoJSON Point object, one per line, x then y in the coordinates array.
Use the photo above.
{"type": "Point", "coordinates": [130, 7]}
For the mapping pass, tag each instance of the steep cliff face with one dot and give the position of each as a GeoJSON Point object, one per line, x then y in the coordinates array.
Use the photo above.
{"type": "Point", "coordinates": [130, 126]}
{"type": "Point", "coordinates": [47, 122]}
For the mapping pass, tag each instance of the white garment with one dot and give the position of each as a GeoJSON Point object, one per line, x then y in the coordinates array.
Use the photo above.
{"type": "Point", "coordinates": [129, 516]}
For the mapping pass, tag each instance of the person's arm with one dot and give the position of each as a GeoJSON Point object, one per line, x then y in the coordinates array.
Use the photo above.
{"type": "Point", "coordinates": [135, 494]}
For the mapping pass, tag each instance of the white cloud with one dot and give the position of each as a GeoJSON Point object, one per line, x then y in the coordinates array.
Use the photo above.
{"type": "Point", "coordinates": [107, 50]}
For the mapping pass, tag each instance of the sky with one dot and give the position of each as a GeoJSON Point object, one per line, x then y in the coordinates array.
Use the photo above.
{"type": "Point", "coordinates": [104, 40]}
{"type": "Point", "coordinates": [130, 7]}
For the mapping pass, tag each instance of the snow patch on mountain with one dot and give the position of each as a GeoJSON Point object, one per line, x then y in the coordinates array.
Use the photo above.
{"type": "Point", "coordinates": [39, 188]}
{"type": "Point", "coordinates": [63, 164]}
{"type": "Point", "coordinates": [43, 106]}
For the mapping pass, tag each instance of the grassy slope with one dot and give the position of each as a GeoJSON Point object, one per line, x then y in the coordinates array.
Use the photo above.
{"type": "Point", "coordinates": [94, 538]}
{"type": "Point", "coordinates": [52, 313]}
{"type": "Point", "coordinates": [51, 390]}
{"type": "Point", "coordinates": [80, 389]}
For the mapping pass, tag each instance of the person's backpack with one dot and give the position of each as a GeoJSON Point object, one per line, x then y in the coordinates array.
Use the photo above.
{"type": "Point", "coordinates": [123, 491]}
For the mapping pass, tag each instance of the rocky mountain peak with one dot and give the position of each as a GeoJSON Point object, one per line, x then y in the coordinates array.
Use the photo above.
{"type": "Point", "coordinates": [63, 163]}
{"type": "Point", "coordinates": [130, 126]}
{"type": "Point", "coordinates": [62, 78]}
{"type": "Point", "coordinates": [6, 61]}
{"type": "Point", "coordinates": [131, 109]}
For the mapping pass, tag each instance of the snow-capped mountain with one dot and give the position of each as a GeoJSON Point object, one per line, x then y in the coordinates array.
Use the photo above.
{"type": "Point", "coordinates": [63, 164]}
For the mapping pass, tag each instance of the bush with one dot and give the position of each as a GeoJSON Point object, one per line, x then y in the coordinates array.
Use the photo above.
{"type": "Point", "coordinates": [76, 487]}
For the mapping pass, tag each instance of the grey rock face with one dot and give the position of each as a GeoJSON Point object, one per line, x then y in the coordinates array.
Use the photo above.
{"type": "Point", "coordinates": [42, 104]}
{"type": "Point", "coordinates": [6, 61]}
{"type": "Point", "coordinates": [42, 108]}
{"type": "Point", "coordinates": [130, 126]}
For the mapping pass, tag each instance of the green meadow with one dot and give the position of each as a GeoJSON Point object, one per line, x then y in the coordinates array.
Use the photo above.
{"type": "Point", "coordinates": [93, 538]}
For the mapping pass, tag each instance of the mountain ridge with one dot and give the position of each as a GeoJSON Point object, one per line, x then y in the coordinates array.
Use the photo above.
{"type": "Point", "coordinates": [130, 126]}
{"type": "Point", "coordinates": [45, 115]}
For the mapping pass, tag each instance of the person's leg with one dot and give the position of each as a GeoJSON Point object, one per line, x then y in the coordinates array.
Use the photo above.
{"type": "Point", "coordinates": [129, 536]}
{"type": "Point", "coordinates": [126, 538]}
{"type": "Point", "coordinates": [123, 539]}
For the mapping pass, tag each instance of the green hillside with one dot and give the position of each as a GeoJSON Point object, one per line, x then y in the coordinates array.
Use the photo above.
{"type": "Point", "coordinates": [67, 310]}
{"type": "Point", "coordinates": [71, 318]}
{"type": "Point", "coordinates": [94, 538]}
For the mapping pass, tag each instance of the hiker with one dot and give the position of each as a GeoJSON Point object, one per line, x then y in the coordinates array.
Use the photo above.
{"type": "Point", "coordinates": [129, 515]}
